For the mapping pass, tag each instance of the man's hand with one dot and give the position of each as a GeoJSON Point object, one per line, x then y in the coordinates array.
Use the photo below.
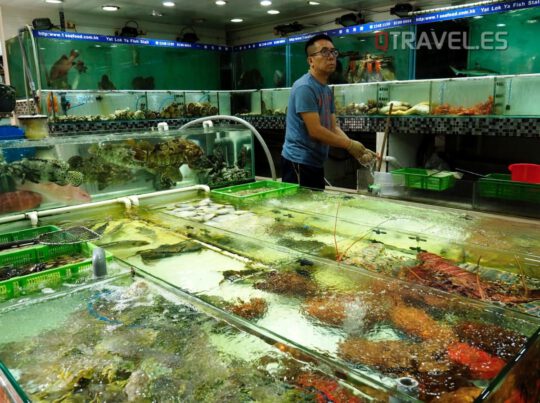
{"type": "Point", "coordinates": [356, 149]}
{"type": "Point", "coordinates": [368, 157]}
{"type": "Point", "coordinates": [361, 153]}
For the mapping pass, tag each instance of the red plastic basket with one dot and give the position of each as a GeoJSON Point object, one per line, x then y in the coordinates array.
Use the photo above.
{"type": "Point", "coordinates": [525, 172]}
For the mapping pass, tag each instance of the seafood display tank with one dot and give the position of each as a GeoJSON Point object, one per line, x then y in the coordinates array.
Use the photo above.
{"type": "Point", "coordinates": [373, 300]}
{"type": "Point", "coordinates": [59, 171]}
{"type": "Point", "coordinates": [456, 97]}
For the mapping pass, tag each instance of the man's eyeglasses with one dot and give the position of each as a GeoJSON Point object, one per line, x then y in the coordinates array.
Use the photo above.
{"type": "Point", "coordinates": [327, 52]}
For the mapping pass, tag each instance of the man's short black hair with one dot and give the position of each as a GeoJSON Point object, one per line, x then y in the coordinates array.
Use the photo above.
{"type": "Point", "coordinates": [314, 39]}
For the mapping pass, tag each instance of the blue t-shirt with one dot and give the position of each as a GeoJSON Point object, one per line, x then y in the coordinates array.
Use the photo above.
{"type": "Point", "coordinates": [307, 95]}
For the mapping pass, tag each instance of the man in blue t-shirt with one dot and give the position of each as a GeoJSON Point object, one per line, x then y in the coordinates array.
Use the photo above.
{"type": "Point", "coordinates": [311, 120]}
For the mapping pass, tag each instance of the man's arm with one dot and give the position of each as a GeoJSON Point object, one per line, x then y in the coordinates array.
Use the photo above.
{"type": "Point", "coordinates": [335, 128]}
{"type": "Point", "coordinates": [320, 133]}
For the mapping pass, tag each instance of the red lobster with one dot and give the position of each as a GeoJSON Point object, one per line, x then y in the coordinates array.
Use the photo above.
{"type": "Point", "coordinates": [437, 272]}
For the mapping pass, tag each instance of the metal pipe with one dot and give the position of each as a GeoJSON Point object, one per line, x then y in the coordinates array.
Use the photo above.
{"type": "Point", "coordinates": [249, 126]}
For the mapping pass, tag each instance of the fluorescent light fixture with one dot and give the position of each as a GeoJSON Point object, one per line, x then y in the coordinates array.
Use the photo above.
{"type": "Point", "coordinates": [169, 3]}
{"type": "Point", "coordinates": [54, 1]}
{"type": "Point", "coordinates": [313, 3]}
{"type": "Point", "coordinates": [266, 3]}
{"type": "Point", "coordinates": [220, 2]}
{"type": "Point", "coordinates": [501, 25]}
{"type": "Point", "coordinates": [273, 11]}
{"type": "Point", "coordinates": [237, 20]}
{"type": "Point", "coordinates": [478, 17]}
{"type": "Point", "coordinates": [110, 8]}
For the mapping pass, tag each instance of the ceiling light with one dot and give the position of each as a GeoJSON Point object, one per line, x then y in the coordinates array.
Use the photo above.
{"type": "Point", "coordinates": [169, 4]}
{"type": "Point", "coordinates": [273, 12]}
{"type": "Point", "coordinates": [110, 8]}
{"type": "Point", "coordinates": [501, 25]}
{"type": "Point", "coordinates": [54, 1]}
{"type": "Point", "coordinates": [237, 20]}
{"type": "Point", "coordinates": [313, 3]}
{"type": "Point", "coordinates": [220, 2]}
{"type": "Point", "coordinates": [478, 17]}
{"type": "Point", "coordinates": [266, 3]}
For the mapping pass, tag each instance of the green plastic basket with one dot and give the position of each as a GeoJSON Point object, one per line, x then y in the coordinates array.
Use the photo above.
{"type": "Point", "coordinates": [418, 178]}
{"type": "Point", "coordinates": [254, 191]}
{"type": "Point", "coordinates": [22, 285]}
{"type": "Point", "coordinates": [10, 390]}
{"type": "Point", "coordinates": [24, 234]}
{"type": "Point", "coordinates": [501, 186]}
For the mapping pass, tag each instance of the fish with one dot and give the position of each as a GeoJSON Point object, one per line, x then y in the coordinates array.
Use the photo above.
{"type": "Point", "coordinates": [126, 243]}
{"type": "Point", "coordinates": [476, 72]}
{"type": "Point", "coordinates": [165, 251]}
{"type": "Point", "coordinates": [106, 83]}
{"type": "Point", "coordinates": [51, 192]}
{"type": "Point", "coordinates": [61, 67]}
{"type": "Point", "coordinates": [19, 200]}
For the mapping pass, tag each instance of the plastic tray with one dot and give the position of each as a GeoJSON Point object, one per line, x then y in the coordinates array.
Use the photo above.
{"type": "Point", "coordinates": [256, 191]}
{"type": "Point", "coordinates": [501, 186]}
{"type": "Point", "coordinates": [419, 178]}
{"type": "Point", "coordinates": [30, 233]}
{"type": "Point", "coordinates": [22, 285]}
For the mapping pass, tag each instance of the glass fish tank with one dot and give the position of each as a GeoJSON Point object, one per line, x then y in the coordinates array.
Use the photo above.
{"type": "Point", "coordinates": [520, 94]}
{"type": "Point", "coordinates": [59, 171]}
{"type": "Point", "coordinates": [257, 67]}
{"type": "Point", "coordinates": [377, 329]}
{"type": "Point", "coordinates": [132, 340]}
{"type": "Point", "coordinates": [91, 65]}
{"type": "Point", "coordinates": [408, 98]}
{"type": "Point", "coordinates": [502, 276]}
{"type": "Point", "coordinates": [243, 103]}
{"type": "Point", "coordinates": [274, 102]}
{"type": "Point", "coordinates": [352, 100]}
{"type": "Point", "coordinates": [463, 96]}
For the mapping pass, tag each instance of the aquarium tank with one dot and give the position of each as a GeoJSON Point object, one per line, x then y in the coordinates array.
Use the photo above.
{"type": "Point", "coordinates": [79, 169]}
{"type": "Point", "coordinates": [264, 67]}
{"type": "Point", "coordinates": [89, 65]}
{"type": "Point", "coordinates": [374, 329]}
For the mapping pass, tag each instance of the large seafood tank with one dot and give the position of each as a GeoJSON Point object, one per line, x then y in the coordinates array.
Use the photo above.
{"type": "Point", "coordinates": [514, 34]}
{"type": "Point", "coordinates": [408, 98]}
{"type": "Point", "coordinates": [79, 169]}
{"type": "Point", "coordinates": [131, 340]}
{"type": "Point", "coordinates": [520, 95]}
{"type": "Point", "coordinates": [242, 102]}
{"type": "Point", "coordinates": [89, 65]}
{"type": "Point", "coordinates": [376, 330]}
{"type": "Point", "coordinates": [274, 102]}
{"type": "Point", "coordinates": [356, 99]}
{"type": "Point", "coordinates": [463, 96]}
{"type": "Point", "coordinates": [264, 67]}
{"type": "Point", "coordinates": [106, 106]}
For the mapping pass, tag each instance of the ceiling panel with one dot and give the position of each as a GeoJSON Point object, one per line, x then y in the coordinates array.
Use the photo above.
{"type": "Point", "coordinates": [186, 11]}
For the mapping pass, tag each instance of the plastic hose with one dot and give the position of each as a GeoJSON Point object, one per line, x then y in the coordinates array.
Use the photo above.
{"type": "Point", "coordinates": [249, 126]}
